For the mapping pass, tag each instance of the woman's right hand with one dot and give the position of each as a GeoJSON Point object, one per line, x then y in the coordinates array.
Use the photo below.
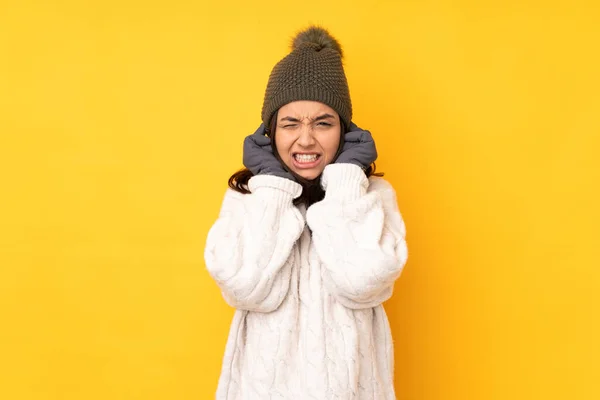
{"type": "Point", "coordinates": [259, 157]}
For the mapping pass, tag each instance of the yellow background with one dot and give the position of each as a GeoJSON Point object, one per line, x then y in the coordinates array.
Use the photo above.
{"type": "Point", "coordinates": [120, 122]}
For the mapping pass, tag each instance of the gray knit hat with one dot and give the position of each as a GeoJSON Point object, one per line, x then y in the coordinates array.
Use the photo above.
{"type": "Point", "coordinates": [312, 71]}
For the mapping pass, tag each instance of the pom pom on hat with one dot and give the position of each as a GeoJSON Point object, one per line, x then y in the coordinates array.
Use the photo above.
{"type": "Point", "coordinates": [318, 36]}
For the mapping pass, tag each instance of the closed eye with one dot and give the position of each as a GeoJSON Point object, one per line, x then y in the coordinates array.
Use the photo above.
{"type": "Point", "coordinates": [325, 124]}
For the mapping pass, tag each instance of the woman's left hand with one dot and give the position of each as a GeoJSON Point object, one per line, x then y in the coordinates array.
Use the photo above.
{"type": "Point", "coordinates": [359, 148]}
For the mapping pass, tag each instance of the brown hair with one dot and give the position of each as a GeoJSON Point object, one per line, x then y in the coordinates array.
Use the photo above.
{"type": "Point", "coordinates": [312, 190]}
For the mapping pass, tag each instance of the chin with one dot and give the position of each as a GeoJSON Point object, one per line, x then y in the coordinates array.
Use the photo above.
{"type": "Point", "coordinates": [309, 175]}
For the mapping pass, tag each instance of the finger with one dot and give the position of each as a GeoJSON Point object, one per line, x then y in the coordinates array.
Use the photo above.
{"type": "Point", "coordinates": [260, 140]}
{"type": "Point", "coordinates": [252, 147]}
{"type": "Point", "coordinates": [358, 137]}
{"type": "Point", "coordinates": [366, 137]}
{"type": "Point", "coordinates": [367, 154]}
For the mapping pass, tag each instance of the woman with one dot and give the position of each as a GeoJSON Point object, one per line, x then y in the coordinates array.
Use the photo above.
{"type": "Point", "coordinates": [308, 243]}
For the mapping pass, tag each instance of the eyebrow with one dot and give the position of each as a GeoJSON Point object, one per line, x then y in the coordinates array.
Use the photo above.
{"type": "Point", "coordinates": [319, 118]}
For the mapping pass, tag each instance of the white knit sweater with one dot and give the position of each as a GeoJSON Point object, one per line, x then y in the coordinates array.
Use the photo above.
{"type": "Point", "coordinates": [309, 322]}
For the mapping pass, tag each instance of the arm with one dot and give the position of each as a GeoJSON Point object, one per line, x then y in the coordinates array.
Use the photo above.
{"type": "Point", "coordinates": [248, 249]}
{"type": "Point", "coordinates": [359, 235]}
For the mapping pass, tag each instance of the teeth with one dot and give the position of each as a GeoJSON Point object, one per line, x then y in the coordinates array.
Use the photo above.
{"type": "Point", "coordinates": [306, 157]}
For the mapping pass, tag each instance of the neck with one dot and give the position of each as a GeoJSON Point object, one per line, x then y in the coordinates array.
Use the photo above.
{"type": "Point", "coordinates": [311, 191]}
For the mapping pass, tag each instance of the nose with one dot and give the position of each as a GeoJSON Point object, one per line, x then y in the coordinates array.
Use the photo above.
{"type": "Point", "coordinates": [306, 137]}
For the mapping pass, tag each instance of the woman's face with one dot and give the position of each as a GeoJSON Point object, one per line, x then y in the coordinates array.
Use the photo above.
{"type": "Point", "coordinates": [307, 136]}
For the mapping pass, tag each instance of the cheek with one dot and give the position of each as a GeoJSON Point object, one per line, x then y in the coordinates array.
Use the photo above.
{"type": "Point", "coordinates": [330, 145]}
{"type": "Point", "coordinates": [283, 146]}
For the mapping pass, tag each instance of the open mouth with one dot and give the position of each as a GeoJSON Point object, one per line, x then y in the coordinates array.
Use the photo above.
{"type": "Point", "coordinates": [306, 158]}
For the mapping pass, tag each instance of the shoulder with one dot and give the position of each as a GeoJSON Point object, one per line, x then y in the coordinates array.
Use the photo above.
{"type": "Point", "coordinates": [231, 199]}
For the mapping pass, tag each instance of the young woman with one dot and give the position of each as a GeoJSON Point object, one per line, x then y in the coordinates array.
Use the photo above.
{"type": "Point", "coordinates": [308, 243]}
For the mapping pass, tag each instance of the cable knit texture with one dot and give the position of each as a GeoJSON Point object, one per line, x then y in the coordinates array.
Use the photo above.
{"type": "Point", "coordinates": [309, 322]}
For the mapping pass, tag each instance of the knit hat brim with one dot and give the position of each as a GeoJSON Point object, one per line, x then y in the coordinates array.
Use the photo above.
{"type": "Point", "coordinates": [306, 93]}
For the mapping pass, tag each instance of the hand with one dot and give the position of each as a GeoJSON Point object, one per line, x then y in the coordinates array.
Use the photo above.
{"type": "Point", "coordinates": [259, 157]}
{"type": "Point", "coordinates": [359, 148]}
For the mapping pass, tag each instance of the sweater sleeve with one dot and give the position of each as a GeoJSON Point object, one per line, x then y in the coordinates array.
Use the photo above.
{"type": "Point", "coordinates": [359, 234]}
{"type": "Point", "coordinates": [249, 248]}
